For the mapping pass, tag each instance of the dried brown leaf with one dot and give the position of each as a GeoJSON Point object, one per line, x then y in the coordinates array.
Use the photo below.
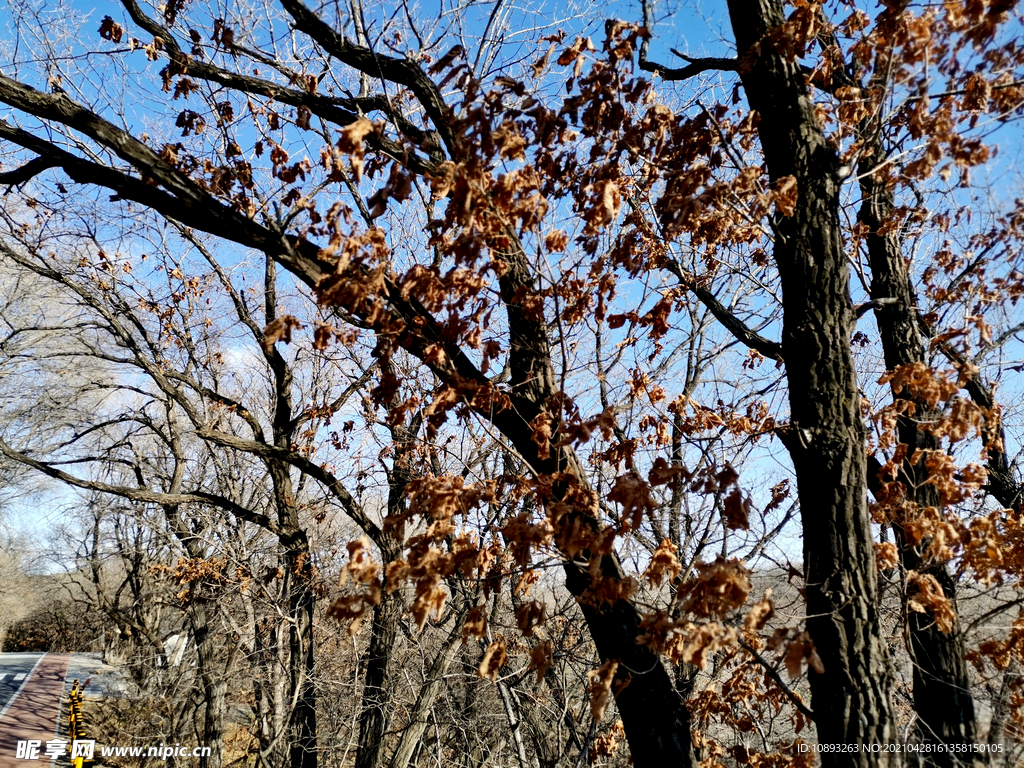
{"type": "Point", "coordinates": [493, 660]}
{"type": "Point", "coordinates": [280, 330]}
{"type": "Point", "coordinates": [601, 687]}
{"type": "Point", "coordinates": [541, 658]}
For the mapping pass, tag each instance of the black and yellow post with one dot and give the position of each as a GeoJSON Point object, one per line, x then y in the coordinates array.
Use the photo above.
{"type": "Point", "coordinates": [76, 724]}
{"type": "Point", "coordinates": [71, 712]}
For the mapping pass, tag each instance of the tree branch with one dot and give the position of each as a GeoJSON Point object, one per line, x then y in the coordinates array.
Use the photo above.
{"type": "Point", "coordinates": [401, 71]}
{"type": "Point", "coordinates": [1001, 485]}
{"type": "Point", "coordinates": [26, 172]}
{"type": "Point", "coordinates": [774, 675]}
{"type": "Point", "coordinates": [352, 508]}
{"type": "Point", "coordinates": [339, 111]}
{"type": "Point", "coordinates": [749, 337]}
{"type": "Point", "coordinates": [137, 494]}
{"type": "Point", "coordinates": [754, 340]}
{"type": "Point", "coordinates": [693, 68]}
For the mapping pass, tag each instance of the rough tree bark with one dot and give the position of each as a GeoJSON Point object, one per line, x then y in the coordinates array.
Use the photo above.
{"type": "Point", "coordinates": [942, 697]}
{"type": "Point", "coordinates": [942, 692]}
{"type": "Point", "coordinates": [826, 437]}
{"type": "Point", "coordinates": [295, 543]}
{"type": "Point", "coordinates": [373, 717]}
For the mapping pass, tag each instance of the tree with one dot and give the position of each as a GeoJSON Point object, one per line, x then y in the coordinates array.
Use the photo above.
{"type": "Point", "coordinates": [546, 215]}
{"type": "Point", "coordinates": [16, 587]}
{"type": "Point", "coordinates": [152, 393]}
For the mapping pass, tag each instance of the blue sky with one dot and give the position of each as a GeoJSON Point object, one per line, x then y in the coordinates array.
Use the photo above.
{"type": "Point", "coordinates": [695, 29]}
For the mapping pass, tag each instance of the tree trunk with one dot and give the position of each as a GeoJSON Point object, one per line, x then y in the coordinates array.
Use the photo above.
{"type": "Point", "coordinates": [655, 718]}
{"type": "Point", "coordinates": [298, 590]}
{"type": "Point", "coordinates": [270, 694]}
{"type": "Point", "coordinates": [387, 615]}
{"type": "Point", "coordinates": [214, 681]}
{"type": "Point", "coordinates": [418, 717]}
{"type": "Point", "coordinates": [302, 723]}
{"type": "Point", "coordinates": [942, 692]}
{"type": "Point", "coordinates": [374, 717]}
{"type": "Point", "coordinates": [826, 435]}
{"type": "Point", "coordinates": [511, 707]}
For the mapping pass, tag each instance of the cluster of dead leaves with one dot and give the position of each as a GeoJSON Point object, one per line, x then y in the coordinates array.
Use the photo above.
{"type": "Point", "coordinates": [365, 592]}
{"type": "Point", "coordinates": [718, 588]}
{"type": "Point", "coordinates": [606, 745]}
{"type": "Point", "coordinates": [745, 698]}
{"type": "Point", "coordinates": [664, 562]}
{"type": "Point", "coordinates": [683, 641]}
{"type": "Point", "coordinates": [1001, 652]}
{"type": "Point", "coordinates": [602, 681]}
{"type": "Point", "coordinates": [925, 595]}
{"type": "Point", "coordinates": [201, 578]}
{"type": "Point", "coordinates": [797, 649]}
{"type": "Point", "coordinates": [993, 546]}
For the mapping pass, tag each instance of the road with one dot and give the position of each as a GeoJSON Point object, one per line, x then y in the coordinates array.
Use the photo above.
{"type": "Point", "coordinates": [30, 692]}
{"type": "Point", "coordinates": [15, 668]}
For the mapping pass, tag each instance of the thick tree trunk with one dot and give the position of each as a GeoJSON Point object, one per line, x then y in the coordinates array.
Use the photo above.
{"type": "Point", "coordinates": [374, 717]}
{"type": "Point", "coordinates": [826, 437]}
{"type": "Point", "coordinates": [302, 721]}
{"type": "Point", "coordinates": [214, 681]}
{"type": "Point", "coordinates": [655, 717]}
{"type": "Point", "coordinates": [942, 691]}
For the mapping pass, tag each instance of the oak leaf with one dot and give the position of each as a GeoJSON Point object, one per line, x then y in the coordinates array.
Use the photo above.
{"type": "Point", "coordinates": [886, 555]}
{"type": "Point", "coordinates": [760, 613]}
{"type": "Point", "coordinates": [719, 588]}
{"type": "Point", "coordinates": [601, 687]}
{"type": "Point", "coordinates": [111, 30]}
{"type": "Point", "coordinates": [736, 510]}
{"type": "Point", "coordinates": [475, 624]}
{"type": "Point", "coordinates": [785, 195]}
{"type": "Point", "coordinates": [929, 598]}
{"type": "Point", "coordinates": [663, 563]}
{"type": "Point", "coordinates": [493, 660]}
{"type": "Point", "coordinates": [798, 648]}
{"type": "Point", "coordinates": [541, 658]}
{"type": "Point", "coordinates": [280, 329]}
{"type": "Point", "coordinates": [531, 615]}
